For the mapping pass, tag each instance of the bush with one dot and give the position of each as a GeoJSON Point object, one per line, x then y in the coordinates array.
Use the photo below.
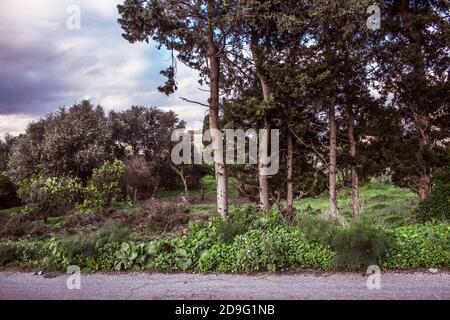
{"type": "Point", "coordinates": [227, 230]}
{"type": "Point", "coordinates": [111, 232]}
{"type": "Point", "coordinates": [360, 246]}
{"type": "Point", "coordinates": [49, 195]}
{"type": "Point", "coordinates": [276, 249]}
{"type": "Point", "coordinates": [8, 193]}
{"type": "Point", "coordinates": [317, 228]}
{"type": "Point", "coordinates": [7, 254]}
{"type": "Point", "coordinates": [437, 204]}
{"type": "Point", "coordinates": [419, 245]}
{"type": "Point", "coordinates": [104, 186]}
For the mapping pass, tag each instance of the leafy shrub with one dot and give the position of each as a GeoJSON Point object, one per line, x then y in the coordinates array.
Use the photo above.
{"type": "Point", "coordinates": [316, 228]}
{"type": "Point", "coordinates": [419, 245]}
{"type": "Point", "coordinates": [227, 230]}
{"type": "Point", "coordinates": [49, 195]}
{"type": "Point", "coordinates": [278, 248]}
{"type": "Point", "coordinates": [111, 232]}
{"type": "Point", "coordinates": [104, 186]}
{"type": "Point", "coordinates": [360, 246]}
{"type": "Point", "coordinates": [437, 204]}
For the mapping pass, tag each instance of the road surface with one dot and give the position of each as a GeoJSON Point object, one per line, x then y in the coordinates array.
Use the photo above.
{"type": "Point", "coordinates": [403, 285]}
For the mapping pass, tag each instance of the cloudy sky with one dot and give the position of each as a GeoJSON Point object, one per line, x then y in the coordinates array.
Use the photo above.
{"type": "Point", "coordinates": [45, 65]}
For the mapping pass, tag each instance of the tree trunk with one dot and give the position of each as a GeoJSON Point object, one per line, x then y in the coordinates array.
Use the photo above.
{"type": "Point", "coordinates": [180, 172]}
{"type": "Point", "coordinates": [263, 153]}
{"type": "Point", "coordinates": [217, 144]}
{"type": "Point", "coordinates": [264, 202]}
{"type": "Point", "coordinates": [332, 165]}
{"type": "Point", "coordinates": [355, 179]}
{"type": "Point", "coordinates": [290, 184]}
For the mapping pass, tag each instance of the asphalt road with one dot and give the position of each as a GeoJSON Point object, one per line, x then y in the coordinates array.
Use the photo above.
{"type": "Point", "coordinates": [417, 285]}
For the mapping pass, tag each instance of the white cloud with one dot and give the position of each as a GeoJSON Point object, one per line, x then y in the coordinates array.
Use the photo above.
{"type": "Point", "coordinates": [45, 65]}
{"type": "Point", "coordinates": [14, 124]}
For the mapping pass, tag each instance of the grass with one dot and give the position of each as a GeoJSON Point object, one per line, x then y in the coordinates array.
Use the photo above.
{"type": "Point", "coordinates": [381, 203]}
{"type": "Point", "coordinates": [12, 211]}
{"type": "Point", "coordinates": [208, 186]}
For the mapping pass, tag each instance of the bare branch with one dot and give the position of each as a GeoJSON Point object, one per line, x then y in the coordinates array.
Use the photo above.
{"type": "Point", "coordinates": [196, 102]}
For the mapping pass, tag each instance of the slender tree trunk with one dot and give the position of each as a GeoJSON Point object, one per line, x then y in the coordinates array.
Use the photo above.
{"type": "Point", "coordinates": [263, 149]}
{"type": "Point", "coordinates": [180, 172]}
{"type": "Point", "coordinates": [355, 179]}
{"type": "Point", "coordinates": [217, 144]}
{"type": "Point", "coordinates": [263, 162]}
{"type": "Point", "coordinates": [290, 184]}
{"type": "Point", "coordinates": [332, 165]}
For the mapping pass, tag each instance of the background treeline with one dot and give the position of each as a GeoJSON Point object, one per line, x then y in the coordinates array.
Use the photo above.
{"type": "Point", "coordinates": [123, 155]}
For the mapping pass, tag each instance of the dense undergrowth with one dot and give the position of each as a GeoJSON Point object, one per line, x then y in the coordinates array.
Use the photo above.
{"type": "Point", "coordinates": [247, 242]}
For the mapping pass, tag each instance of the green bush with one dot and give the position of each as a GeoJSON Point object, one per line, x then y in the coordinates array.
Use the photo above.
{"type": "Point", "coordinates": [49, 195]}
{"type": "Point", "coordinates": [111, 232]}
{"type": "Point", "coordinates": [7, 254]}
{"type": "Point", "coordinates": [316, 228]}
{"type": "Point", "coordinates": [8, 193]}
{"type": "Point", "coordinates": [437, 204]}
{"type": "Point", "coordinates": [419, 245]}
{"type": "Point", "coordinates": [104, 186]}
{"type": "Point", "coordinates": [360, 246]}
{"type": "Point", "coordinates": [277, 249]}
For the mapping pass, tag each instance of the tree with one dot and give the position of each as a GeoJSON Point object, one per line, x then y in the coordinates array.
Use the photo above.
{"type": "Point", "coordinates": [66, 142]}
{"type": "Point", "coordinates": [140, 176]}
{"type": "Point", "coordinates": [8, 191]}
{"type": "Point", "coordinates": [412, 68]}
{"type": "Point", "coordinates": [144, 131]}
{"type": "Point", "coordinates": [198, 31]}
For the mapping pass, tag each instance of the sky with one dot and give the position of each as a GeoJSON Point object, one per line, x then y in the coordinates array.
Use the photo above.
{"type": "Point", "coordinates": [44, 64]}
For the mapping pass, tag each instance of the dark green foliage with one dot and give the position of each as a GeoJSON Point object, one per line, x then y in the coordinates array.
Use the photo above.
{"type": "Point", "coordinates": [316, 228]}
{"type": "Point", "coordinates": [360, 246]}
{"type": "Point", "coordinates": [67, 142]}
{"type": "Point", "coordinates": [437, 204]}
{"type": "Point", "coordinates": [420, 245]}
{"type": "Point", "coordinates": [7, 254]}
{"type": "Point", "coordinates": [111, 232]}
{"type": "Point", "coordinates": [227, 230]}
{"type": "Point", "coordinates": [8, 193]}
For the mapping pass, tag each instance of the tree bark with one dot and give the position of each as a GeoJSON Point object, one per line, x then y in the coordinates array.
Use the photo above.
{"type": "Point", "coordinates": [217, 144]}
{"type": "Point", "coordinates": [264, 202]}
{"type": "Point", "coordinates": [355, 178]}
{"type": "Point", "coordinates": [332, 165]}
{"type": "Point", "coordinates": [183, 179]}
{"type": "Point", "coordinates": [290, 184]}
